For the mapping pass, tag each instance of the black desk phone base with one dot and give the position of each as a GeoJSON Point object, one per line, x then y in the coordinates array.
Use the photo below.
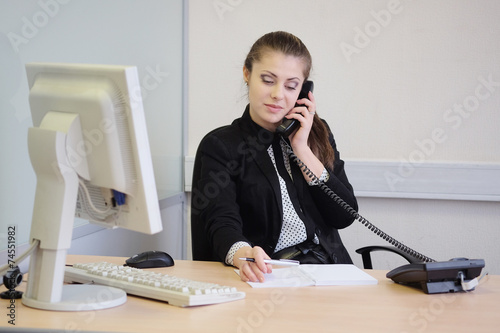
{"type": "Point", "coordinates": [439, 276]}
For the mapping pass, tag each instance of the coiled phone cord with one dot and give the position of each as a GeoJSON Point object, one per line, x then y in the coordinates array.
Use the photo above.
{"type": "Point", "coordinates": [353, 212]}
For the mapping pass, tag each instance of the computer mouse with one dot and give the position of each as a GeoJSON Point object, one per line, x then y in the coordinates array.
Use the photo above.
{"type": "Point", "coordinates": [150, 259]}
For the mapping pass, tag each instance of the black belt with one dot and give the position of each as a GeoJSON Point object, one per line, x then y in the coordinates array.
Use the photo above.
{"type": "Point", "coordinates": [307, 253]}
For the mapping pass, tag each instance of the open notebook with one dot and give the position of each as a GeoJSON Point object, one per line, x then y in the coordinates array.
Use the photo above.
{"type": "Point", "coordinates": [315, 275]}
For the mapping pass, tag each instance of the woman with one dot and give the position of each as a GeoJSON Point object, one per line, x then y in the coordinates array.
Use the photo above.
{"type": "Point", "coordinates": [249, 199]}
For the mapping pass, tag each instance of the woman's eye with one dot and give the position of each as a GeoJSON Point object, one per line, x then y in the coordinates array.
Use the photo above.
{"type": "Point", "coordinates": [291, 87]}
{"type": "Point", "coordinates": [266, 79]}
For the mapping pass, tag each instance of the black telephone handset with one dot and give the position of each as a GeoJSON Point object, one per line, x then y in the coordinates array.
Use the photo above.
{"type": "Point", "coordinates": [289, 125]}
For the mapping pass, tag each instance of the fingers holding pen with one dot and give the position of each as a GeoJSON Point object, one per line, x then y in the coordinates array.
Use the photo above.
{"type": "Point", "coordinates": [249, 272]}
{"type": "Point", "coordinates": [252, 271]}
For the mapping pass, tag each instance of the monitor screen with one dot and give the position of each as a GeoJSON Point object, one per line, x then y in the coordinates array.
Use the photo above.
{"type": "Point", "coordinates": [90, 151]}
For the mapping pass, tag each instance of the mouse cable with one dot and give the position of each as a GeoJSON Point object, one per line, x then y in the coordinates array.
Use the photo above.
{"type": "Point", "coordinates": [91, 210]}
{"type": "Point", "coordinates": [5, 268]}
{"type": "Point", "coordinates": [86, 193]}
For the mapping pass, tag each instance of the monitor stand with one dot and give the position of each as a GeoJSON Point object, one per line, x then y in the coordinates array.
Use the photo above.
{"type": "Point", "coordinates": [81, 297]}
{"type": "Point", "coordinates": [53, 216]}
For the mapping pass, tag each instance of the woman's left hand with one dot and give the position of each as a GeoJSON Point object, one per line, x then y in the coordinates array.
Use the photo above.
{"type": "Point", "coordinates": [299, 139]}
{"type": "Point", "coordinates": [305, 115]}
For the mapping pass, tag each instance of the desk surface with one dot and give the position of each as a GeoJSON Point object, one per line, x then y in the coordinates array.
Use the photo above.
{"type": "Point", "coordinates": [386, 307]}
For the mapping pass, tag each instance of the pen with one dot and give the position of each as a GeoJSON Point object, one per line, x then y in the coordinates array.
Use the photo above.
{"type": "Point", "coordinates": [282, 262]}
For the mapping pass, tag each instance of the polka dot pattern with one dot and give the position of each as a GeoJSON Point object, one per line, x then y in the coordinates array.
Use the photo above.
{"type": "Point", "coordinates": [232, 251]}
{"type": "Point", "coordinates": [293, 230]}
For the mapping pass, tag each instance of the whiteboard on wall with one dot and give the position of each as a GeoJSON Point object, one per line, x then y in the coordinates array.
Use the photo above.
{"type": "Point", "coordinates": [147, 34]}
{"type": "Point", "coordinates": [403, 85]}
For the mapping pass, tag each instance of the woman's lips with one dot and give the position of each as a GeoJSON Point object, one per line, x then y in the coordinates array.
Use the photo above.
{"type": "Point", "coordinates": [274, 108]}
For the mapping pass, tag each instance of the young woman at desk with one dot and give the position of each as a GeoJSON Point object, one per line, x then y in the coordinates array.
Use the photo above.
{"type": "Point", "coordinates": [249, 198]}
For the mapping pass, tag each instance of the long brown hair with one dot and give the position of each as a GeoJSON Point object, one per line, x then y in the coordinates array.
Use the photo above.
{"type": "Point", "coordinates": [290, 45]}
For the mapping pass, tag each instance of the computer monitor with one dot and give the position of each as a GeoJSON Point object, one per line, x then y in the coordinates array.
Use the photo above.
{"type": "Point", "coordinates": [90, 151]}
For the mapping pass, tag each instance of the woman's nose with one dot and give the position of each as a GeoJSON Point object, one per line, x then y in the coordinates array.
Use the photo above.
{"type": "Point", "coordinates": [277, 93]}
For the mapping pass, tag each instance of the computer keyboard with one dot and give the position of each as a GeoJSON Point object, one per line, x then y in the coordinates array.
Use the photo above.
{"type": "Point", "coordinates": [176, 291]}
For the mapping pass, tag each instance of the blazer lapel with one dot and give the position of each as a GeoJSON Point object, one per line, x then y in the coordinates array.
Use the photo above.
{"type": "Point", "coordinates": [258, 140]}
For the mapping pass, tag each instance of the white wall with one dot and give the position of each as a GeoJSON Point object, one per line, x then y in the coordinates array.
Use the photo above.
{"type": "Point", "coordinates": [403, 82]}
{"type": "Point", "coordinates": [381, 102]}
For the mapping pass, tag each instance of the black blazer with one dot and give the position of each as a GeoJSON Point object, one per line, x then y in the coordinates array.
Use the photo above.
{"type": "Point", "coordinates": [236, 195]}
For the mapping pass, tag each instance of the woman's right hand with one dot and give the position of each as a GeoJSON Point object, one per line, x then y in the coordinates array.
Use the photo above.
{"type": "Point", "coordinates": [252, 271]}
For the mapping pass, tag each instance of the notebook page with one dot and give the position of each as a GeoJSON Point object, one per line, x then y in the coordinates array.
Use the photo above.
{"type": "Point", "coordinates": [337, 275]}
{"type": "Point", "coordinates": [283, 277]}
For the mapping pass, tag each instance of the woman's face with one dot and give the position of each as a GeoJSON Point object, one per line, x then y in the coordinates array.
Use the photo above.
{"type": "Point", "coordinates": [273, 87]}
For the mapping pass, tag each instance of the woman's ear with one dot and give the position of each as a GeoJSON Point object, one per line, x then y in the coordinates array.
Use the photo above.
{"type": "Point", "coordinates": [246, 74]}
